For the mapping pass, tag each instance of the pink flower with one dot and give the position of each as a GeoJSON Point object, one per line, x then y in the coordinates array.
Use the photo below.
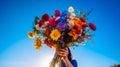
{"type": "Point", "coordinates": [92, 26]}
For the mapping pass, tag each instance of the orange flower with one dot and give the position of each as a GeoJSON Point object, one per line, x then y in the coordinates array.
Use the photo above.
{"type": "Point", "coordinates": [30, 35]}
{"type": "Point", "coordinates": [54, 46]}
{"type": "Point", "coordinates": [77, 23]}
{"type": "Point", "coordinates": [69, 44]}
{"type": "Point", "coordinates": [37, 44]}
{"type": "Point", "coordinates": [73, 34]}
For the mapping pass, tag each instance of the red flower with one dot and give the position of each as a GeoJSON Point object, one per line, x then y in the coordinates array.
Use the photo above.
{"type": "Point", "coordinates": [52, 22]}
{"type": "Point", "coordinates": [82, 19]}
{"type": "Point", "coordinates": [45, 17]}
{"type": "Point", "coordinates": [76, 31]}
{"type": "Point", "coordinates": [92, 26]}
{"type": "Point", "coordinates": [47, 32]}
{"type": "Point", "coordinates": [48, 43]}
{"type": "Point", "coordinates": [84, 25]}
{"type": "Point", "coordinates": [57, 13]}
{"type": "Point", "coordinates": [41, 22]}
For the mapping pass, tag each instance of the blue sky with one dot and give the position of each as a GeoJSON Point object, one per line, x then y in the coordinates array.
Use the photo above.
{"type": "Point", "coordinates": [16, 17]}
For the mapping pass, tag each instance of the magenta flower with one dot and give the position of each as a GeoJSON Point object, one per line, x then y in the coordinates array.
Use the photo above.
{"type": "Point", "coordinates": [52, 22]}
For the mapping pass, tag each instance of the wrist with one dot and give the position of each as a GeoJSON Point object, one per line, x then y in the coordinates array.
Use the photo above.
{"type": "Point", "coordinates": [66, 58]}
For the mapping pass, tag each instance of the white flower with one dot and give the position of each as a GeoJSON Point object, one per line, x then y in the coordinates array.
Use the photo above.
{"type": "Point", "coordinates": [72, 15]}
{"type": "Point", "coordinates": [70, 9]}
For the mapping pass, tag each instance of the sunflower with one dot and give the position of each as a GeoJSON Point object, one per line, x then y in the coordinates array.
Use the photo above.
{"type": "Point", "coordinates": [37, 44]}
{"type": "Point", "coordinates": [55, 34]}
{"type": "Point", "coordinates": [30, 35]}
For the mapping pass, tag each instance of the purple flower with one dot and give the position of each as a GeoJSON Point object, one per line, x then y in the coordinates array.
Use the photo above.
{"type": "Point", "coordinates": [62, 19]}
{"type": "Point", "coordinates": [61, 26]}
{"type": "Point", "coordinates": [61, 40]}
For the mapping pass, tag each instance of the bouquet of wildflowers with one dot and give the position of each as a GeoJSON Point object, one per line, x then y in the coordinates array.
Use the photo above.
{"type": "Point", "coordinates": [63, 29]}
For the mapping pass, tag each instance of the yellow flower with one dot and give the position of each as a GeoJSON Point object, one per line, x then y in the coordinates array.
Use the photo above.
{"type": "Point", "coordinates": [71, 9]}
{"type": "Point", "coordinates": [37, 44]}
{"type": "Point", "coordinates": [36, 32]}
{"type": "Point", "coordinates": [30, 35]}
{"type": "Point", "coordinates": [55, 34]}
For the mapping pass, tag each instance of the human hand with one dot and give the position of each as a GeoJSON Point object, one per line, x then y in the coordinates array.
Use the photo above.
{"type": "Point", "coordinates": [62, 52]}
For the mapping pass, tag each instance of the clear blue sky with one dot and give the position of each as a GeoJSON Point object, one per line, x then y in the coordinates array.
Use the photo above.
{"type": "Point", "coordinates": [16, 17]}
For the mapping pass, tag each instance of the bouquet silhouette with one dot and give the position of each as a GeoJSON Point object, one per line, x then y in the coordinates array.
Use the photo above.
{"type": "Point", "coordinates": [63, 29]}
